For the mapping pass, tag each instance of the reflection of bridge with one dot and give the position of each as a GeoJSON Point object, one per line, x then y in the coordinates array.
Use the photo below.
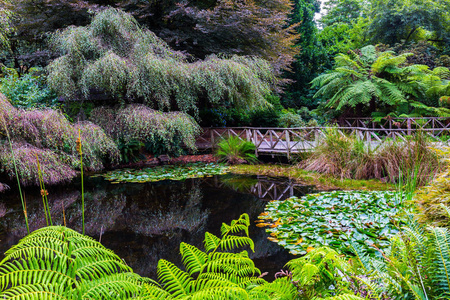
{"type": "Point", "coordinates": [265, 188]}
{"type": "Point", "coordinates": [287, 141]}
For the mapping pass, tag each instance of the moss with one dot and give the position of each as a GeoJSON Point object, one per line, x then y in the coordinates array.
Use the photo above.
{"type": "Point", "coordinates": [323, 182]}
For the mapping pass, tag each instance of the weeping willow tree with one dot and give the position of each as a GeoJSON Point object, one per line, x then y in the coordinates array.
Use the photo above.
{"type": "Point", "coordinates": [115, 56]}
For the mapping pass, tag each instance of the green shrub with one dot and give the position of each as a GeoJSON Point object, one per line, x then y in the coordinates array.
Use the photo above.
{"type": "Point", "coordinates": [27, 91]}
{"type": "Point", "coordinates": [49, 135]}
{"type": "Point", "coordinates": [289, 120]}
{"type": "Point", "coordinates": [234, 150]}
{"type": "Point", "coordinates": [164, 133]}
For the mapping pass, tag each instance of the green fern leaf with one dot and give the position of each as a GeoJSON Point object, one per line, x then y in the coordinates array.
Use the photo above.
{"type": "Point", "coordinates": [281, 288]}
{"type": "Point", "coordinates": [211, 242]}
{"type": "Point", "coordinates": [193, 258]}
{"type": "Point", "coordinates": [174, 280]}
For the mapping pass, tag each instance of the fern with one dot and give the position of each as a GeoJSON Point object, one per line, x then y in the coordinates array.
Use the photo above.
{"type": "Point", "coordinates": [59, 263]}
{"type": "Point", "coordinates": [379, 79]}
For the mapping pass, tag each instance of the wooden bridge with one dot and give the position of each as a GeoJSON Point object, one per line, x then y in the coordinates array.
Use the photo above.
{"type": "Point", "coordinates": [288, 141]}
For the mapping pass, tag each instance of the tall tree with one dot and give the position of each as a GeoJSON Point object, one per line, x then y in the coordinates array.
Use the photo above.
{"type": "Point", "coordinates": [311, 60]}
{"type": "Point", "coordinates": [204, 27]}
{"type": "Point", "coordinates": [342, 11]}
{"type": "Point", "coordinates": [201, 28]}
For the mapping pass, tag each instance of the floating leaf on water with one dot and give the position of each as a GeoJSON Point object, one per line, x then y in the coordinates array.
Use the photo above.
{"type": "Point", "coordinates": [335, 219]}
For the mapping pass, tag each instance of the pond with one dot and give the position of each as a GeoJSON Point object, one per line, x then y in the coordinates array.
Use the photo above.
{"type": "Point", "coordinates": [144, 222]}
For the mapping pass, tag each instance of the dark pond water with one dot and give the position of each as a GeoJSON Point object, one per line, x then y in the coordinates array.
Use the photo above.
{"type": "Point", "coordinates": [145, 222]}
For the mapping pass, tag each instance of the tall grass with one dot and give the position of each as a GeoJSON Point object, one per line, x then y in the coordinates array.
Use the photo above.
{"type": "Point", "coordinates": [411, 162]}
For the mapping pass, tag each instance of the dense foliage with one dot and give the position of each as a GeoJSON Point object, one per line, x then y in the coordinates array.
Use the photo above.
{"type": "Point", "coordinates": [369, 82]}
{"type": "Point", "coordinates": [27, 91]}
{"type": "Point", "coordinates": [162, 133]}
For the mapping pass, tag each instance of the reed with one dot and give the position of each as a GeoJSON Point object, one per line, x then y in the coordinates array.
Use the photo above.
{"type": "Point", "coordinates": [44, 194]}
{"type": "Point", "coordinates": [22, 199]}
{"type": "Point", "coordinates": [80, 151]}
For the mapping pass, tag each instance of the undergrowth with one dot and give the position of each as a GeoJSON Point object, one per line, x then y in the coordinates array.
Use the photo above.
{"type": "Point", "coordinates": [344, 156]}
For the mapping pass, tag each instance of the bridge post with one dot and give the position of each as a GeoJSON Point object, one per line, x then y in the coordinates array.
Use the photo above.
{"type": "Point", "coordinates": [255, 141]}
{"type": "Point", "coordinates": [212, 138]}
{"type": "Point", "coordinates": [288, 144]}
{"type": "Point", "coordinates": [408, 123]}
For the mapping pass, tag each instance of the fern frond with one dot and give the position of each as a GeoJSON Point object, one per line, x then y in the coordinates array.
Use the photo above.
{"type": "Point", "coordinates": [192, 257]}
{"type": "Point", "coordinates": [211, 242]}
{"type": "Point", "coordinates": [174, 280]}
{"type": "Point", "coordinates": [117, 286]}
{"type": "Point", "coordinates": [233, 264]}
{"type": "Point", "coordinates": [98, 266]}
{"type": "Point", "coordinates": [38, 292]}
{"type": "Point", "coordinates": [281, 288]}
{"type": "Point", "coordinates": [364, 260]}
{"type": "Point", "coordinates": [230, 242]}
{"type": "Point", "coordinates": [220, 293]}
{"type": "Point", "coordinates": [153, 292]}
{"type": "Point", "coordinates": [375, 291]}
{"type": "Point", "coordinates": [442, 257]}
{"type": "Point", "coordinates": [232, 277]}
{"type": "Point", "coordinates": [34, 270]}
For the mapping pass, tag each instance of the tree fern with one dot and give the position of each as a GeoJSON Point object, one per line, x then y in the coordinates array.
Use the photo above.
{"type": "Point", "coordinates": [374, 80]}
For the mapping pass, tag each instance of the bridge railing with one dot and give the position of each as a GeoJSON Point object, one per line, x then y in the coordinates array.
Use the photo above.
{"type": "Point", "coordinates": [287, 141]}
{"type": "Point", "coordinates": [397, 123]}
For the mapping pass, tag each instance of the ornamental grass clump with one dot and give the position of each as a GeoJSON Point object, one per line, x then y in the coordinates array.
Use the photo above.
{"type": "Point", "coordinates": [48, 134]}
{"type": "Point", "coordinates": [53, 169]}
{"type": "Point", "coordinates": [343, 156]}
{"type": "Point", "coordinates": [236, 151]}
{"type": "Point", "coordinates": [410, 161]}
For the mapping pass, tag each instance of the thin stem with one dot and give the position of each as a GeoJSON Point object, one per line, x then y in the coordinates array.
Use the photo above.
{"type": "Point", "coordinates": [17, 176]}
{"type": "Point", "coordinates": [80, 151]}
{"type": "Point", "coordinates": [42, 188]}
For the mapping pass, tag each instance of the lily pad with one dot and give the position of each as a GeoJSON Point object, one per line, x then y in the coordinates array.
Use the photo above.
{"type": "Point", "coordinates": [336, 219]}
{"type": "Point", "coordinates": [169, 172]}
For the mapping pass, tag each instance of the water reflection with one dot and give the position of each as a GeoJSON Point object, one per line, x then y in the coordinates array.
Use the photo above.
{"type": "Point", "coordinates": [143, 223]}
